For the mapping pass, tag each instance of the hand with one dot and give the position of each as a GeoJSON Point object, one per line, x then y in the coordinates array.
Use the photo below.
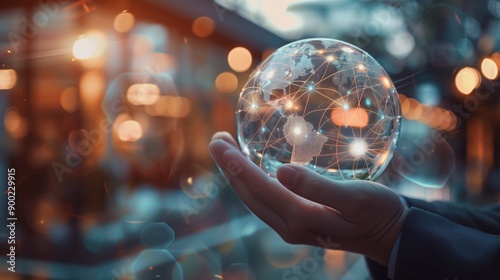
{"type": "Point", "coordinates": [306, 208]}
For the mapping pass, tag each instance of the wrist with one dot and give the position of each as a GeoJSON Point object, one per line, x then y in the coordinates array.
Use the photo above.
{"type": "Point", "coordinates": [381, 250]}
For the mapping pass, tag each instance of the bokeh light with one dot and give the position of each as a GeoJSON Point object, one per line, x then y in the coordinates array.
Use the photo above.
{"type": "Point", "coordinates": [90, 47]}
{"type": "Point", "coordinates": [84, 48]}
{"type": "Point", "coordinates": [467, 79]}
{"type": "Point", "coordinates": [124, 22]}
{"type": "Point", "coordinates": [354, 117]}
{"type": "Point", "coordinates": [15, 124]}
{"type": "Point", "coordinates": [8, 78]}
{"type": "Point", "coordinates": [170, 106]}
{"type": "Point", "coordinates": [203, 27]}
{"type": "Point", "coordinates": [130, 131]}
{"type": "Point", "coordinates": [143, 94]}
{"type": "Point", "coordinates": [239, 59]}
{"type": "Point", "coordinates": [489, 69]}
{"type": "Point", "coordinates": [69, 99]}
{"type": "Point", "coordinates": [157, 235]}
{"type": "Point", "coordinates": [226, 82]}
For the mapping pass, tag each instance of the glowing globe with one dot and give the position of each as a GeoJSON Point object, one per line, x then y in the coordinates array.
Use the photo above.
{"type": "Point", "coordinates": [321, 103]}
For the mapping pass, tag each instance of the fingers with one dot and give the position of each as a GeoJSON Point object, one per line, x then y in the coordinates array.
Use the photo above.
{"type": "Point", "coordinates": [225, 136]}
{"type": "Point", "coordinates": [313, 186]}
{"type": "Point", "coordinates": [231, 169]}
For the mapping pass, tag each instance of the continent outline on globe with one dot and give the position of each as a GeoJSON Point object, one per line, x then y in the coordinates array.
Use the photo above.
{"type": "Point", "coordinates": [321, 103]}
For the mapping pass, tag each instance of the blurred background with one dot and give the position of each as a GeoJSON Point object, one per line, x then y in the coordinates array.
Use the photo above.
{"type": "Point", "coordinates": [107, 108]}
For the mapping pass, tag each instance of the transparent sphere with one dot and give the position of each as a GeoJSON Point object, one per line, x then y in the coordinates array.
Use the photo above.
{"type": "Point", "coordinates": [321, 103]}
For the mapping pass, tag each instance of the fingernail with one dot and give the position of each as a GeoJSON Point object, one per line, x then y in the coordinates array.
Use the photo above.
{"type": "Point", "coordinates": [287, 175]}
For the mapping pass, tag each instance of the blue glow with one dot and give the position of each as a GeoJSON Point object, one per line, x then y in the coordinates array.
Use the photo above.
{"type": "Point", "coordinates": [311, 87]}
{"type": "Point", "coordinates": [157, 235]}
{"type": "Point", "coordinates": [368, 102]}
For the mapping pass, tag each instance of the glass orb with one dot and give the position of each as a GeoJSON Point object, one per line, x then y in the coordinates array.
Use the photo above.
{"type": "Point", "coordinates": [321, 103]}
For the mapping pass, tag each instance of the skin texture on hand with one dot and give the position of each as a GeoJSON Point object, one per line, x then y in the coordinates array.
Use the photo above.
{"type": "Point", "coordinates": [304, 207]}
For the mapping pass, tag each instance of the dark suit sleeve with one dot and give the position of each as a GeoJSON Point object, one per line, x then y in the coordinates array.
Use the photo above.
{"type": "Point", "coordinates": [433, 247]}
{"type": "Point", "coordinates": [486, 219]}
{"type": "Point", "coordinates": [443, 240]}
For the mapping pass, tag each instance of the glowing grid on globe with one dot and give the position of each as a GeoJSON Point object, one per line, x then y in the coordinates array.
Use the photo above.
{"type": "Point", "coordinates": [321, 103]}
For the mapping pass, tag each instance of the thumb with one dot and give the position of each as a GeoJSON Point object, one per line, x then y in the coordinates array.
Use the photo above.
{"type": "Point", "coordinates": [315, 187]}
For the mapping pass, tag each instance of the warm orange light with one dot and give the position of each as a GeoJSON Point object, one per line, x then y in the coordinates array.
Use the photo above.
{"type": "Point", "coordinates": [84, 48]}
{"type": "Point", "coordinates": [405, 106]}
{"type": "Point", "coordinates": [124, 22]}
{"type": "Point", "coordinates": [437, 115]}
{"type": "Point", "coordinates": [386, 82]}
{"type": "Point", "coordinates": [15, 124]}
{"type": "Point", "coordinates": [92, 86]}
{"type": "Point", "coordinates": [226, 82]}
{"type": "Point", "coordinates": [69, 99]}
{"type": "Point", "coordinates": [427, 112]}
{"type": "Point", "coordinates": [467, 79]}
{"type": "Point", "coordinates": [453, 122]}
{"type": "Point", "coordinates": [170, 106]}
{"type": "Point", "coordinates": [239, 59]}
{"type": "Point", "coordinates": [354, 117]}
{"type": "Point", "coordinates": [130, 131]}
{"type": "Point", "coordinates": [203, 27]}
{"type": "Point", "coordinates": [91, 46]}
{"type": "Point", "coordinates": [8, 78]}
{"type": "Point", "coordinates": [414, 112]}
{"type": "Point", "coordinates": [143, 94]}
{"type": "Point", "coordinates": [489, 69]}
{"type": "Point", "coordinates": [446, 119]}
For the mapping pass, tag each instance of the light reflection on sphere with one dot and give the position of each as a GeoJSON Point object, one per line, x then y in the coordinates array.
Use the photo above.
{"type": "Point", "coordinates": [321, 103]}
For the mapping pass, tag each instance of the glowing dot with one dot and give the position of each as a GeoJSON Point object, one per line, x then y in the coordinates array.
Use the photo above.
{"type": "Point", "coordinates": [361, 67]}
{"type": "Point", "coordinates": [239, 59]}
{"type": "Point", "coordinates": [467, 79]}
{"type": "Point", "coordinates": [330, 58]}
{"type": "Point", "coordinates": [346, 106]}
{"type": "Point", "coordinates": [8, 78]}
{"type": "Point", "coordinates": [226, 82]}
{"type": "Point", "coordinates": [190, 180]}
{"type": "Point", "coordinates": [297, 131]}
{"type": "Point", "coordinates": [246, 151]}
{"type": "Point", "coordinates": [357, 147]}
{"type": "Point", "coordinates": [8, 51]}
{"type": "Point", "coordinates": [124, 22]}
{"type": "Point", "coordinates": [289, 104]}
{"type": "Point", "coordinates": [489, 69]}
{"type": "Point", "coordinates": [368, 102]}
{"type": "Point", "coordinates": [203, 27]}
{"type": "Point", "coordinates": [386, 82]}
{"type": "Point", "coordinates": [321, 51]}
{"type": "Point", "coordinates": [130, 130]}
{"type": "Point", "coordinates": [253, 106]}
{"type": "Point", "coordinates": [310, 87]}
{"type": "Point", "coordinates": [84, 48]}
